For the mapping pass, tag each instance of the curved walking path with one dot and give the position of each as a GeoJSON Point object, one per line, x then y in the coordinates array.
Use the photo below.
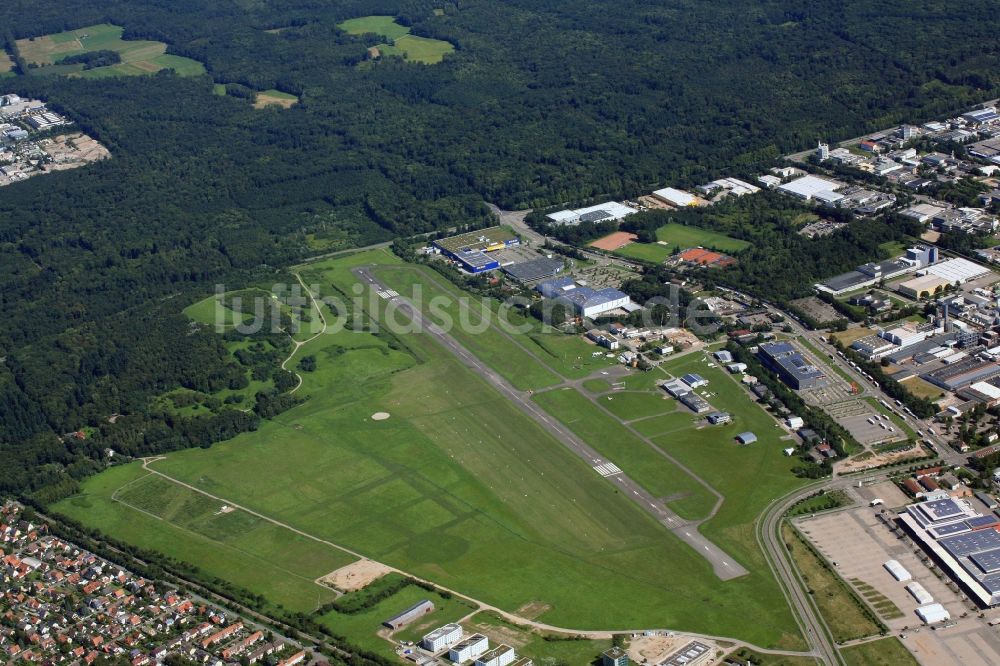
{"type": "Point", "coordinates": [298, 344]}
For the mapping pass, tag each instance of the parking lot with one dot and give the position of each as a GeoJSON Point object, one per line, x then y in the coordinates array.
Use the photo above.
{"type": "Point", "coordinates": [865, 423]}
{"type": "Point", "coordinates": [860, 543]}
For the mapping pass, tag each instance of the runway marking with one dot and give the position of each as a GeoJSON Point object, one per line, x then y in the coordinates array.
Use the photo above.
{"type": "Point", "coordinates": [607, 469]}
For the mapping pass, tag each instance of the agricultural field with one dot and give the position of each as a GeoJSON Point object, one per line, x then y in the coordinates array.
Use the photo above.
{"type": "Point", "coordinates": [273, 97]}
{"type": "Point", "coordinates": [138, 57]}
{"type": "Point", "coordinates": [688, 236]}
{"type": "Point", "coordinates": [399, 40]}
{"type": "Point", "coordinates": [456, 486]}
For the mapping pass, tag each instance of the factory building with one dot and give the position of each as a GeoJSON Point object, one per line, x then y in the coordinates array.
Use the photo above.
{"type": "Point", "coordinates": [605, 212]}
{"type": "Point", "coordinates": [442, 637]}
{"type": "Point", "coordinates": [675, 197]}
{"type": "Point", "coordinates": [472, 249]}
{"type": "Point", "coordinates": [584, 300]}
{"type": "Point", "coordinates": [789, 364]}
{"type": "Point", "coordinates": [811, 187]}
{"type": "Point", "coordinates": [964, 543]}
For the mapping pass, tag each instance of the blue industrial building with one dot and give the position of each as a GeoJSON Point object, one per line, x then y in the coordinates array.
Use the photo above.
{"type": "Point", "coordinates": [788, 363]}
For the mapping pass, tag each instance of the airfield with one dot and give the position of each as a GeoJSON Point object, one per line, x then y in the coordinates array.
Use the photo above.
{"type": "Point", "coordinates": [461, 487]}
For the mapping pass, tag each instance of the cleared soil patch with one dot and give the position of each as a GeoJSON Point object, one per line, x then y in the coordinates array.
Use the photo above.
{"type": "Point", "coordinates": [611, 242]}
{"type": "Point", "coordinates": [274, 98]}
{"type": "Point", "coordinates": [355, 576]}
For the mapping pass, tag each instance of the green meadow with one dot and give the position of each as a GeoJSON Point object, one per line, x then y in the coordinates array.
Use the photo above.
{"type": "Point", "coordinates": [399, 41]}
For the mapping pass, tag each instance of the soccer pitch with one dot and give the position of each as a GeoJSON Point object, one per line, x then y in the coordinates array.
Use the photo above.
{"type": "Point", "coordinates": [457, 486]}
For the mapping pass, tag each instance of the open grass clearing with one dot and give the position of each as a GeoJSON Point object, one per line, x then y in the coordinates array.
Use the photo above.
{"type": "Point", "coordinates": [685, 236]}
{"type": "Point", "coordinates": [399, 40]}
{"type": "Point", "coordinates": [922, 388]}
{"type": "Point", "coordinates": [851, 335]}
{"type": "Point", "coordinates": [150, 512]}
{"type": "Point", "coordinates": [841, 609]}
{"type": "Point", "coordinates": [383, 26]}
{"type": "Point", "coordinates": [6, 64]}
{"type": "Point", "coordinates": [885, 652]}
{"type": "Point", "coordinates": [628, 406]}
{"type": "Point", "coordinates": [138, 56]}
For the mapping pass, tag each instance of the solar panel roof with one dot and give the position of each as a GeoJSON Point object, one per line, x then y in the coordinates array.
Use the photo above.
{"type": "Point", "coordinates": [991, 583]}
{"type": "Point", "coordinates": [940, 509]}
{"type": "Point", "coordinates": [948, 530]}
{"type": "Point", "coordinates": [988, 561]}
{"type": "Point", "coordinates": [982, 521]}
{"type": "Point", "coordinates": [971, 542]}
{"type": "Point", "coordinates": [595, 216]}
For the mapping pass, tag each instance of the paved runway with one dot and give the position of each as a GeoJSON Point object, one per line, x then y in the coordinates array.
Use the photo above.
{"type": "Point", "coordinates": [725, 567]}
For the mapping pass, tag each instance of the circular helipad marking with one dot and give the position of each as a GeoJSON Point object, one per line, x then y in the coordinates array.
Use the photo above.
{"type": "Point", "coordinates": [380, 416]}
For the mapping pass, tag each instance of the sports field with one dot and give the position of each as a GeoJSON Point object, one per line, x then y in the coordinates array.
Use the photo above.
{"type": "Point", "coordinates": [273, 97]}
{"type": "Point", "coordinates": [457, 486]}
{"type": "Point", "coordinates": [688, 236]}
{"type": "Point", "coordinates": [652, 252]}
{"type": "Point", "coordinates": [400, 41]}
{"type": "Point", "coordinates": [138, 56]}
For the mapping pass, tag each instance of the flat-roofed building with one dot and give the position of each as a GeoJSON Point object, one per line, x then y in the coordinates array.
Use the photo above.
{"type": "Point", "coordinates": [789, 364]}
{"type": "Point", "coordinates": [442, 637]}
{"type": "Point", "coordinates": [501, 655]}
{"type": "Point", "coordinates": [614, 657]}
{"type": "Point", "coordinates": [470, 648]}
{"type": "Point", "coordinates": [808, 187]}
{"type": "Point", "coordinates": [605, 212]}
{"type": "Point", "coordinates": [923, 286]}
{"type": "Point", "coordinates": [963, 541]}
{"type": "Point", "coordinates": [675, 197]}
{"type": "Point", "coordinates": [409, 615]}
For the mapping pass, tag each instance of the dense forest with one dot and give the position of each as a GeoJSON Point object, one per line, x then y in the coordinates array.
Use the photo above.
{"type": "Point", "coordinates": [543, 102]}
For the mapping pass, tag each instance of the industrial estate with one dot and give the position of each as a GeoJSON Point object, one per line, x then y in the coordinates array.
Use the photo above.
{"type": "Point", "coordinates": [615, 456]}
{"type": "Point", "coordinates": [35, 140]}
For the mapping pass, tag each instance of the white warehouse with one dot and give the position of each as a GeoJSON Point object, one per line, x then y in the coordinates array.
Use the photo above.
{"type": "Point", "coordinates": [675, 197]}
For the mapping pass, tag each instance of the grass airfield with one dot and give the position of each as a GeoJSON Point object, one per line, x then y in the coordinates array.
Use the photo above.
{"type": "Point", "coordinates": [457, 486]}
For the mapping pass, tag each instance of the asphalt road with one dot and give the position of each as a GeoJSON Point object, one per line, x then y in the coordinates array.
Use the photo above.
{"type": "Point", "coordinates": [725, 567]}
